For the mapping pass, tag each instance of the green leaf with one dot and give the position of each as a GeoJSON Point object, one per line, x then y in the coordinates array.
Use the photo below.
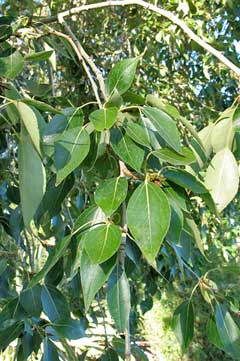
{"type": "Point", "coordinates": [102, 242]}
{"type": "Point", "coordinates": [121, 76]}
{"type": "Point", "coordinates": [137, 133]}
{"type": "Point", "coordinates": [205, 136]}
{"type": "Point", "coordinates": [57, 193]}
{"type": "Point", "coordinates": [213, 335]}
{"type": "Point", "coordinates": [30, 300]}
{"type": "Point", "coordinates": [39, 56]}
{"type": "Point", "coordinates": [118, 298]}
{"type": "Point", "coordinates": [119, 346]}
{"type": "Point", "coordinates": [169, 156]}
{"type": "Point", "coordinates": [89, 217]}
{"type": "Point", "coordinates": [93, 276]}
{"type": "Point", "coordinates": [191, 228]}
{"type": "Point", "coordinates": [167, 108]}
{"type": "Point", "coordinates": [49, 351]}
{"type": "Point", "coordinates": [222, 178]}
{"type": "Point", "coordinates": [11, 311]}
{"type": "Point", "coordinates": [53, 257]}
{"type": "Point", "coordinates": [32, 178]}
{"type": "Point", "coordinates": [176, 223]}
{"type": "Point", "coordinates": [109, 355]}
{"type": "Point", "coordinates": [74, 117]}
{"type": "Point", "coordinates": [222, 135]}
{"type": "Point", "coordinates": [31, 123]}
{"type": "Point", "coordinates": [110, 194]}
{"type": "Point", "coordinates": [183, 324]}
{"type": "Point", "coordinates": [71, 148]}
{"type": "Point", "coordinates": [126, 149]}
{"type": "Point", "coordinates": [68, 328]}
{"type": "Point", "coordinates": [104, 118]}
{"type": "Point", "coordinates": [148, 218]}
{"type": "Point", "coordinates": [40, 105]}
{"type": "Point", "coordinates": [9, 334]}
{"type": "Point", "coordinates": [228, 331]}
{"type": "Point", "coordinates": [11, 66]}
{"type": "Point", "coordinates": [54, 304]}
{"type": "Point", "coordinates": [165, 126]}
{"type": "Point", "coordinates": [185, 179]}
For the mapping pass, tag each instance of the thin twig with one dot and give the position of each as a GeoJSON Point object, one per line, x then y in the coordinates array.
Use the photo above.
{"type": "Point", "coordinates": [82, 61]}
{"type": "Point", "coordinates": [84, 55]}
{"type": "Point", "coordinates": [167, 14]}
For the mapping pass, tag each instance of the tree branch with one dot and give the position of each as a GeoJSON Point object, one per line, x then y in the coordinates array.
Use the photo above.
{"type": "Point", "coordinates": [84, 55]}
{"type": "Point", "coordinates": [82, 61]}
{"type": "Point", "coordinates": [167, 14]}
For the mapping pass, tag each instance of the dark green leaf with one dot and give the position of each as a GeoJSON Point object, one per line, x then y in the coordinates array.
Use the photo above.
{"type": "Point", "coordinates": [213, 335]}
{"type": "Point", "coordinates": [126, 149]}
{"type": "Point", "coordinates": [68, 328]}
{"type": "Point", "coordinates": [109, 355]}
{"type": "Point", "coordinates": [50, 352]}
{"type": "Point", "coordinates": [165, 126]}
{"type": "Point", "coordinates": [40, 105]}
{"type": "Point", "coordinates": [121, 76]}
{"type": "Point", "coordinates": [169, 156]}
{"type": "Point", "coordinates": [93, 276]}
{"type": "Point", "coordinates": [185, 179]}
{"type": "Point", "coordinates": [9, 334]}
{"type": "Point", "coordinates": [53, 257]}
{"type": "Point", "coordinates": [118, 298]}
{"type": "Point", "coordinates": [137, 133]}
{"type": "Point", "coordinates": [54, 303]}
{"type": "Point", "coordinates": [228, 331]}
{"type": "Point", "coordinates": [30, 300]}
{"type": "Point", "coordinates": [183, 324]}
{"type": "Point", "coordinates": [148, 217]}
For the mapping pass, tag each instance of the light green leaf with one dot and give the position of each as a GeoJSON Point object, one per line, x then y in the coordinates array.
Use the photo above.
{"type": "Point", "coordinates": [169, 156]}
{"type": "Point", "coordinates": [110, 194]}
{"type": "Point", "coordinates": [102, 242]}
{"type": "Point", "coordinates": [222, 178]}
{"type": "Point", "coordinates": [148, 218]}
{"type": "Point", "coordinates": [205, 136]}
{"type": "Point", "coordinates": [71, 148]}
{"type": "Point", "coordinates": [165, 126]}
{"type": "Point", "coordinates": [31, 123]}
{"type": "Point", "coordinates": [93, 276]}
{"type": "Point", "coordinates": [183, 324]}
{"type": "Point", "coordinates": [118, 298]}
{"type": "Point", "coordinates": [39, 56]}
{"type": "Point", "coordinates": [89, 217]}
{"type": "Point", "coordinates": [104, 118]}
{"type": "Point", "coordinates": [121, 76]}
{"type": "Point", "coordinates": [32, 178]}
{"type": "Point", "coordinates": [126, 149]}
{"type": "Point", "coordinates": [228, 331]}
{"type": "Point", "coordinates": [222, 135]}
{"type": "Point", "coordinates": [11, 66]}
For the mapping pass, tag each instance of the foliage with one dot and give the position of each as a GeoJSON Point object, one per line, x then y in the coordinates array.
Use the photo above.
{"type": "Point", "coordinates": [106, 201]}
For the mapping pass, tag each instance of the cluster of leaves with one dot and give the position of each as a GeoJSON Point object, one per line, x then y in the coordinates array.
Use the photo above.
{"type": "Point", "coordinates": [89, 180]}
